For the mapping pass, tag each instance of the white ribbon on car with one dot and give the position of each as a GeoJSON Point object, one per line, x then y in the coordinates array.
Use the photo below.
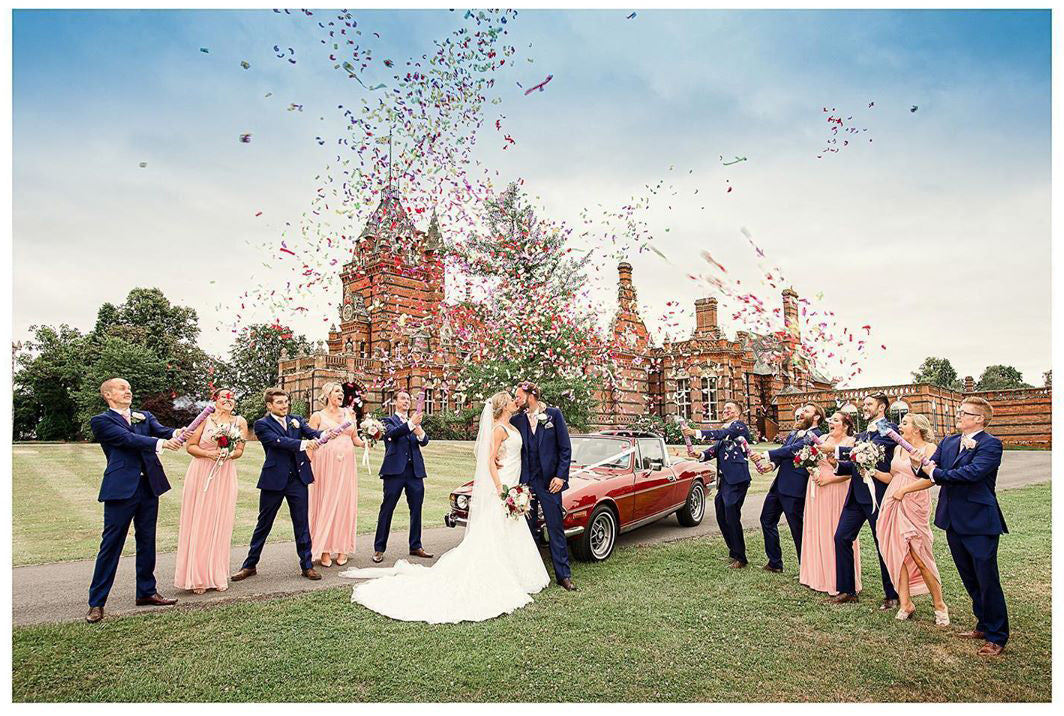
{"type": "Point", "coordinates": [627, 451]}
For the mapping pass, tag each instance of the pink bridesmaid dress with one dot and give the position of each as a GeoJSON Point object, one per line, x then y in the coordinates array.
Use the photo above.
{"type": "Point", "coordinates": [906, 525]}
{"type": "Point", "coordinates": [206, 525]}
{"type": "Point", "coordinates": [333, 509]}
{"type": "Point", "coordinates": [823, 509]}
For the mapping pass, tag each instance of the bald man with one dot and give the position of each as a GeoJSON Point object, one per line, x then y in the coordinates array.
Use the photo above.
{"type": "Point", "coordinates": [132, 483]}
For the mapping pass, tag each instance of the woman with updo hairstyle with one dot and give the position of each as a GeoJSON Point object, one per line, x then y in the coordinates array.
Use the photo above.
{"type": "Point", "coordinates": [333, 496]}
{"type": "Point", "coordinates": [904, 526]}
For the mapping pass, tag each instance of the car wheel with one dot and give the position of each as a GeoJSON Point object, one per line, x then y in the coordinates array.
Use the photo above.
{"type": "Point", "coordinates": [598, 540]}
{"type": "Point", "coordinates": [692, 512]}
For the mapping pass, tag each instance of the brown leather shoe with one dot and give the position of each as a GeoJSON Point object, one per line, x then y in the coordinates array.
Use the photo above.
{"type": "Point", "coordinates": [378, 557]}
{"type": "Point", "coordinates": [419, 552]}
{"type": "Point", "coordinates": [567, 584]}
{"type": "Point", "coordinates": [155, 600]}
{"type": "Point", "coordinates": [311, 574]}
{"type": "Point", "coordinates": [973, 634]}
{"type": "Point", "coordinates": [95, 614]}
{"type": "Point", "coordinates": [888, 604]}
{"type": "Point", "coordinates": [736, 564]}
{"type": "Point", "coordinates": [991, 649]}
{"type": "Point", "coordinates": [770, 568]}
{"type": "Point", "coordinates": [843, 598]}
{"type": "Point", "coordinates": [244, 573]}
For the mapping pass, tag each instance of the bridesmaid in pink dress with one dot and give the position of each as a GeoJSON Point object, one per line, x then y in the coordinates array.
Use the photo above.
{"type": "Point", "coordinates": [208, 508]}
{"type": "Point", "coordinates": [333, 507]}
{"type": "Point", "coordinates": [824, 498]}
{"type": "Point", "coordinates": [904, 528]}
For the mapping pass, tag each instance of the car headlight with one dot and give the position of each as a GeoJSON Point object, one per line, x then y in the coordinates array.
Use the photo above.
{"type": "Point", "coordinates": [462, 502]}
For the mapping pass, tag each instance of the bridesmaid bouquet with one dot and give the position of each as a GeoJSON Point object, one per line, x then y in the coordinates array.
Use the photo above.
{"type": "Point", "coordinates": [517, 500]}
{"type": "Point", "coordinates": [226, 437]}
{"type": "Point", "coordinates": [808, 457]}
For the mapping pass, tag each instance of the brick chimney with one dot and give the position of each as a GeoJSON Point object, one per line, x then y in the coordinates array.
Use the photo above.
{"type": "Point", "coordinates": [969, 384]}
{"type": "Point", "coordinates": [790, 312]}
{"type": "Point", "coordinates": [706, 316]}
{"type": "Point", "coordinates": [625, 289]}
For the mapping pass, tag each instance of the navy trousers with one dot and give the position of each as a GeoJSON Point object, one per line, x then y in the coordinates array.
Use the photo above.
{"type": "Point", "coordinates": [976, 560]}
{"type": "Point", "coordinates": [295, 492]}
{"type": "Point", "coordinates": [729, 504]}
{"type": "Point", "coordinates": [775, 506]}
{"type": "Point", "coordinates": [394, 486]}
{"type": "Point", "coordinates": [552, 513]}
{"type": "Point", "coordinates": [853, 518]}
{"type": "Point", "coordinates": [141, 510]}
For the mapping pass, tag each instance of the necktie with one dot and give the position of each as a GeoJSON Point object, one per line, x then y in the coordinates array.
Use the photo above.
{"type": "Point", "coordinates": [126, 416]}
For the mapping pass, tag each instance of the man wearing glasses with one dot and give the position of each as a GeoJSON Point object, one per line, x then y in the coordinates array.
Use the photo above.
{"type": "Point", "coordinates": [966, 467]}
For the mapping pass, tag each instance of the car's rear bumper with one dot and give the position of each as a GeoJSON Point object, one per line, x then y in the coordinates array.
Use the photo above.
{"type": "Point", "coordinates": [454, 519]}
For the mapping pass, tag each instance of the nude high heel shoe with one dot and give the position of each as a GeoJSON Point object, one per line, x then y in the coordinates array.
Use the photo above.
{"type": "Point", "coordinates": [942, 617]}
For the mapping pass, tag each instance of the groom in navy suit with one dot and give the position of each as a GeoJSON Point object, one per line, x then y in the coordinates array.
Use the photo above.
{"type": "Point", "coordinates": [402, 470]}
{"type": "Point", "coordinates": [966, 467]}
{"type": "Point", "coordinates": [546, 454]}
{"type": "Point", "coordinates": [130, 491]}
{"type": "Point", "coordinates": [859, 507]}
{"type": "Point", "coordinates": [786, 496]}
{"type": "Point", "coordinates": [285, 475]}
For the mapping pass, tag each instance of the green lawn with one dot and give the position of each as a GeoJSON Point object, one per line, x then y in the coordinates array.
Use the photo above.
{"type": "Point", "coordinates": [662, 623]}
{"type": "Point", "coordinates": [56, 518]}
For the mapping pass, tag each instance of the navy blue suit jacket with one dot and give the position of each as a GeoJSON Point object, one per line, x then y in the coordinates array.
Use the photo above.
{"type": "Point", "coordinates": [857, 490]}
{"type": "Point", "coordinates": [731, 458]}
{"type": "Point", "coordinates": [791, 480]}
{"type": "Point", "coordinates": [283, 456]}
{"type": "Point", "coordinates": [550, 441]}
{"type": "Point", "coordinates": [967, 502]}
{"type": "Point", "coordinates": [401, 446]}
{"type": "Point", "coordinates": [130, 450]}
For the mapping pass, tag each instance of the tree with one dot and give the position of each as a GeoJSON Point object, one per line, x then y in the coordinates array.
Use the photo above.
{"type": "Point", "coordinates": [113, 356]}
{"type": "Point", "coordinates": [1047, 378]}
{"type": "Point", "coordinates": [937, 371]}
{"type": "Point", "coordinates": [1001, 377]}
{"type": "Point", "coordinates": [49, 370]}
{"type": "Point", "coordinates": [252, 366]}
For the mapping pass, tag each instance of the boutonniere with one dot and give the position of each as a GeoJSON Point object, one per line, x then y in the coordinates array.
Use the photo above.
{"type": "Point", "coordinates": [294, 423]}
{"type": "Point", "coordinates": [136, 417]}
{"type": "Point", "coordinates": [542, 417]}
{"type": "Point", "coordinates": [800, 434]}
{"type": "Point", "coordinates": [968, 443]}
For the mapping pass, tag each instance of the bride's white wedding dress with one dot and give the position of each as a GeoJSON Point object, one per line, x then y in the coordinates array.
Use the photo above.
{"type": "Point", "coordinates": [491, 572]}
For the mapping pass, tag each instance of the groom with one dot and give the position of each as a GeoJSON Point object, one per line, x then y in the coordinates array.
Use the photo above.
{"type": "Point", "coordinates": [285, 475]}
{"type": "Point", "coordinates": [545, 456]}
{"type": "Point", "coordinates": [130, 491]}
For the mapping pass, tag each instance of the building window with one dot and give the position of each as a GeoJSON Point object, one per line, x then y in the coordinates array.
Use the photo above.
{"type": "Point", "coordinates": [362, 349]}
{"type": "Point", "coordinates": [709, 398]}
{"type": "Point", "coordinates": [349, 346]}
{"type": "Point", "coordinates": [683, 398]}
{"type": "Point", "coordinates": [429, 400]}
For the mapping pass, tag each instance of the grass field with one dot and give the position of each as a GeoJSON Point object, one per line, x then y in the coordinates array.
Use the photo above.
{"type": "Point", "coordinates": [56, 518]}
{"type": "Point", "coordinates": [664, 623]}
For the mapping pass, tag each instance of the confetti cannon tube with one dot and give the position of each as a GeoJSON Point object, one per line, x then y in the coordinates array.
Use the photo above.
{"type": "Point", "coordinates": [335, 432]}
{"type": "Point", "coordinates": [760, 466]}
{"type": "Point", "coordinates": [686, 438]}
{"type": "Point", "coordinates": [187, 432]}
{"type": "Point", "coordinates": [889, 432]}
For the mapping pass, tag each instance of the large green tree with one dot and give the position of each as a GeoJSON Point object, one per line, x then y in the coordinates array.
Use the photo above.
{"type": "Point", "coordinates": [938, 371]}
{"type": "Point", "coordinates": [1001, 377]}
{"type": "Point", "coordinates": [49, 368]}
{"type": "Point", "coordinates": [252, 365]}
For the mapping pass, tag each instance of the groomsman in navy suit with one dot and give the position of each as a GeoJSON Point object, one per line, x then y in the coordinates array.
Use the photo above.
{"type": "Point", "coordinates": [403, 470]}
{"type": "Point", "coordinates": [859, 507]}
{"type": "Point", "coordinates": [132, 483]}
{"type": "Point", "coordinates": [733, 477]}
{"type": "Point", "coordinates": [966, 467]}
{"type": "Point", "coordinates": [786, 496]}
{"type": "Point", "coordinates": [285, 475]}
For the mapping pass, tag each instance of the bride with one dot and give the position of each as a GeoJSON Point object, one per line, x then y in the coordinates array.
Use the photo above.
{"type": "Point", "coordinates": [495, 567]}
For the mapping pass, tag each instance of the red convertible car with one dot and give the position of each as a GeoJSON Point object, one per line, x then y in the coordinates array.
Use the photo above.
{"type": "Point", "coordinates": [619, 480]}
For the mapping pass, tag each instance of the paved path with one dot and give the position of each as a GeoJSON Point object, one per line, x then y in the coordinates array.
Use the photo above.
{"type": "Point", "coordinates": [59, 592]}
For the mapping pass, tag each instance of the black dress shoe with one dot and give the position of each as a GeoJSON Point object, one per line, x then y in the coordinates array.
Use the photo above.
{"type": "Point", "coordinates": [567, 584]}
{"type": "Point", "coordinates": [770, 568]}
{"type": "Point", "coordinates": [95, 614]}
{"type": "Point", "coordinates": [155, 600]}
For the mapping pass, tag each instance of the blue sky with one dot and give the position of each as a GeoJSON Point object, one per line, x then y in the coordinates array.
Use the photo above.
{"type": "Point", "coordinates": [936, 233]}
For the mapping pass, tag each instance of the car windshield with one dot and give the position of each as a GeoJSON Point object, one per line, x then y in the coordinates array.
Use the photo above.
{"type": "Point", "coordinates": [592, 450]}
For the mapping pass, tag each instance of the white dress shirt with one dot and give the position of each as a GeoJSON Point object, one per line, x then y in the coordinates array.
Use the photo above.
{"type": "Point", "coordinates": [127, 415]}
{"type": "Point", "coordinates": [284, 426]}
{"type": "Point", "coordinates": [416, 429]}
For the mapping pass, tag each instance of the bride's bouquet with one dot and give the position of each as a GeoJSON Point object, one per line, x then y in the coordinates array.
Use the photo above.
{"type": "Point", "coordinates": [517, 500]}
{"type": "Point", "coordinates": [808, 457]}
{"type": "Point", "coordinates": [373, 430]}
{"type": "Point", "coordinates": [226, 437]}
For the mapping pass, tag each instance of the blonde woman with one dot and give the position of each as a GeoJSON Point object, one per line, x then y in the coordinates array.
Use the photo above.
{"type": "Point", "coordinates": [333, 508]}
{"type": "Point", "coordinates": [904, 528]}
